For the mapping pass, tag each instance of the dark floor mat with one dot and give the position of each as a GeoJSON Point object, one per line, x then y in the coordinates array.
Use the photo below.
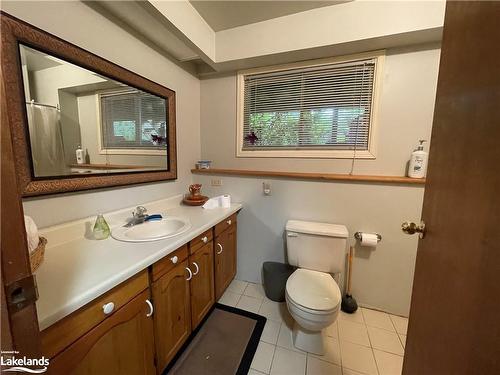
{"type": "Point", "coordinates": [224, 344]}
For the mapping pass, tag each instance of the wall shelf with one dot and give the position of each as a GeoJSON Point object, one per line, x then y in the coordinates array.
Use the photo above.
{"type": "Point", "coordinates": [313, 176]}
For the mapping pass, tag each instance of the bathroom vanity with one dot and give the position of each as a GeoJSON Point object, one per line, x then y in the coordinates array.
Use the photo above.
{"type": "Point", "coordinates": [132, 305]}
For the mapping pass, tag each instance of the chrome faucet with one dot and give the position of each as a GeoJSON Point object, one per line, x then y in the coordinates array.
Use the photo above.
{"type": "Point", "coordinates": [139, 216]}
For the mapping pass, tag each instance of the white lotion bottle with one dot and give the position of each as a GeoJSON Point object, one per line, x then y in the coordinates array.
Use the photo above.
{"type": "Point", "coordinates": [79, 155]}
{"type": "Point", "coordinates": [418, 162]}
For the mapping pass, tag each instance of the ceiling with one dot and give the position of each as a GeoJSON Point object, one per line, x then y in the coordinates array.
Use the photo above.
{"type": "Point", "coordinates": [222, 15]}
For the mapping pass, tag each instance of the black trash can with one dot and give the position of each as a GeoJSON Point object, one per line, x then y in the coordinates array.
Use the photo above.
{"type": "Point", "coordinates": [275, 275]}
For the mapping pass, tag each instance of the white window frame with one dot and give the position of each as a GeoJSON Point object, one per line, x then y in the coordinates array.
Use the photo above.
{"type": "Point", "coordinates": [371, 153]}
{"type": "Point", "coordinates": [117, 151]}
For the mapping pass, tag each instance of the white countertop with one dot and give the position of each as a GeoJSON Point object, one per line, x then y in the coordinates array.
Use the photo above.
{"type": "Point", "coordinates": [76, 269]}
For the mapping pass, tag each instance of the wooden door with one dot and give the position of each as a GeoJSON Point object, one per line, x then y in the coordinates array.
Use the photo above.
{"type": "Point", "coordinates": [122, 344]}
{"type": "Point", "coordinates": [172, 316]}
{"type": "Point", "coordinates": [202, 284]}
{"type": "Point", "coordinates": [225, 260]}
{"type": "Point", "coordinates": [454, 318]}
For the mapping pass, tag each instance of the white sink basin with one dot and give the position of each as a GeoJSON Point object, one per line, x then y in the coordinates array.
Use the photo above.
{"type": "Point", "coordinates": [152, 230]}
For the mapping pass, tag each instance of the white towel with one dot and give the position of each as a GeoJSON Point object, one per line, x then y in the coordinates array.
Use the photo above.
{"type": "Point", "coordinates": [223, 201]}
{"type": "Point", "coordinates": [31, 233]}
{"type": "Point", "coordinates": [211, 203]}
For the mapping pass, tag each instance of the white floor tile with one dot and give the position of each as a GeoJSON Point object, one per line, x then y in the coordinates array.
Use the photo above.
{"type": "Point", "coordinates": [229, 298]}
{"type": "Point", "coordinates": [356, 317]}
{"type": "Point", "coordinates": [332, 330]}
{"type": "Point", "coordinates": [385, 340]}
{"type": "Point", "coordinates": [332, 352]}
{"type": "Point", "coordinates": [288, 362]}
{"type": "Point", "coordinates": [402, 338]}
{"type": "Point", "coordinates": [249, 304]}
{"type": "Point", "coordinates": [377, 319]}
{"type": "Point", "coordinates": [388, 364]}
{"type": "Point", "coordinates": [358, 358]}
{"type": "Point", "coordinates": [273, 310]}
{"type": "Point", "coordinates": [263, 357]}
{"type": "Point", "coordinates": [254, 290]}
{"type": "Point", "coordinates": [353, 332]}
{"type": "Point", "coordinates": [285, 339]}
{"type": "Point", "coordinates": [318, 367]}
{"type": "Point", "coordinates": [237, 286]}
{"type": "Point", "coordinates": [254, 372]}
{"type": "Point", "coordinates": [400, 323]}
{"type": "Point", "coordinates": [271, 332]}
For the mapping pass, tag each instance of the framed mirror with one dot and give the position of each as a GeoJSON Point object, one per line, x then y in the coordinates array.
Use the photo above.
{"type": "Point", "coordinates": [81, 122]}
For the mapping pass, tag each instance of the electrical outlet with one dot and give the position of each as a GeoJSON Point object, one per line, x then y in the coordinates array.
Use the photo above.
{"type": "Point", "coordinates": [217, 182]}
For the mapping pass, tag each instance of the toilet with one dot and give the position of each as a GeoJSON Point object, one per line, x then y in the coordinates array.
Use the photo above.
{"type": "Point", "coordinates": [313, 296]}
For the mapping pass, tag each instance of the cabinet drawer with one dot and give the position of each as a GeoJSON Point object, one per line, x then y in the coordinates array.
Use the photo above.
{"type": "Point", "coordinates": [169, 262]}
{"type": "Point", "coordinates": [200, 241]}
{"type": "Point", "coordinates": [224, 224]}
{"type": "Point", "coordinates": [60, 335]}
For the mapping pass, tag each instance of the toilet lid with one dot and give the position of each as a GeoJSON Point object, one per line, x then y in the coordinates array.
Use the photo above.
{"type": "Point", "coordinates": [313, 290]}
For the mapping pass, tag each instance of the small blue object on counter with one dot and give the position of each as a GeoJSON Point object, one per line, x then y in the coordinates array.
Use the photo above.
{"type": "Point", "coordinates": [155, 217]}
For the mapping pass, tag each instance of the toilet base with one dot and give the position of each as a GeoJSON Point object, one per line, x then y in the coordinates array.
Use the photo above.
{"type": "Point", "coordinates": [309, 341]}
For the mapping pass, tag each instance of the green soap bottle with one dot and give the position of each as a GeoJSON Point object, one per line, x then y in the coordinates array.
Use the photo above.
{"type": "Point", "coordinates": [101, 228]}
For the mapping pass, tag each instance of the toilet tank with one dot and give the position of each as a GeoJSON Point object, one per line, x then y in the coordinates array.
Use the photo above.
{"type": "Point", "coordinates": [316, 246]}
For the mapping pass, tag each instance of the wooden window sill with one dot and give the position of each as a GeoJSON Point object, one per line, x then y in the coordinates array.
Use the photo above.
{"type": "Point", "coordinates": [313, 176]}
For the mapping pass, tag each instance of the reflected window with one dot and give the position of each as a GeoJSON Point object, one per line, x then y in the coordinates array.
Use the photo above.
{"type": "Point", "coordinates": [132, 119]}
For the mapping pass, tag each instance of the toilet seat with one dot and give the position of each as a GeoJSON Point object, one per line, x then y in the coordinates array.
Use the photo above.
{"type": "Point", "coordinates": [313, 291]}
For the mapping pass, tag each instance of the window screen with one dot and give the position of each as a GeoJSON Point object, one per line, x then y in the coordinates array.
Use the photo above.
{"type": "Point", "coordinates": [133, 119]}
{"type": "Point", "coordinates": [321, 107]}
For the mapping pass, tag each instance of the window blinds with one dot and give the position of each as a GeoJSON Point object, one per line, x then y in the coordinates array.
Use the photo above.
{"type": "Point", "coordinates": [320, 107]}
{"type": "Point", "coordinates": [129, 119]}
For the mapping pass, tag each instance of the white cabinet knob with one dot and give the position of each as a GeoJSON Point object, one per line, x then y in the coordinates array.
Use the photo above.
{"type": "Point", "coordinates": [174, 259]}
{"type": "Point", "coordinates": [108, 308]}
{"type": "Point", "coordinates": [220, 247]}
{"type": "Point", "coordinates": [205, 239]}
{"type": "Point", "coordinates": [229, 222]}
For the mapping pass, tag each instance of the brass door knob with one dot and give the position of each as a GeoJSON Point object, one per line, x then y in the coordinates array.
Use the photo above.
{"type": "Point", "coordinates": [412, 228]}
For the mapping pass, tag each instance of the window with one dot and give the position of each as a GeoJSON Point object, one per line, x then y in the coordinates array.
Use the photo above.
{"type": "Point", "coordinates": [324, 109]}
{"type": "Point", "coordinates": [132, 120]}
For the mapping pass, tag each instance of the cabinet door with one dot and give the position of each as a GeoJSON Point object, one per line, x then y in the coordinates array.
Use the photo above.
{"type": "Point", "coordinates": [172, 315]}
{"type": "Point", "coordinates": [202, 283]}
{"type": "Point", "coordinates": [225, 260]}
{"type": "Point", "coordinates": [121, 344]}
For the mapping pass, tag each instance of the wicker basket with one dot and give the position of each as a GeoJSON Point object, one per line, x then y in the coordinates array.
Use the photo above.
{"type": "Point", "coordinates": [36, 257]}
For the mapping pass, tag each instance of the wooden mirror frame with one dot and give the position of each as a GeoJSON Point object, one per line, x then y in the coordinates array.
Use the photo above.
{"type": "Point", "coordinates": [14, 32]}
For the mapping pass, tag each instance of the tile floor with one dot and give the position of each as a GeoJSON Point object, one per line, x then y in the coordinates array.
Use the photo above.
{"type": "Point", "coordinates": [367, 342]}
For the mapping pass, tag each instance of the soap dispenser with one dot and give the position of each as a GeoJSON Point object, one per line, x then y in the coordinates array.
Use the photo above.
{"type": "Point", "coordinates": [101, 229]}
{"type": "Point", "coordinates": [418, 162]}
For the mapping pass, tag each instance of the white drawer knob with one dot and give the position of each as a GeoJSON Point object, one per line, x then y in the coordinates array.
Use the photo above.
{"type": "Point", "coordinates": [108, 308]}
{"type": "Point", "coordinates": [174, 259]}
{"type": "Point", "coordinates": [229, 222]}
{"type": "Point", "coordinates": [205, 239]}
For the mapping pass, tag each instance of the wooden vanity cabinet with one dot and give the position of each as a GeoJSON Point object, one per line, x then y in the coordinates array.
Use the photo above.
{"type": "Point", "coordinates": [202, 283]}
{"type": "Point", "coordinates": [225, 254]}
{"type": "Point", "coordinates": [183, 293]}
{"type": "Point", "coordinates": [172, 302]}
{"type": "Point", "coordinates": [123, 343]}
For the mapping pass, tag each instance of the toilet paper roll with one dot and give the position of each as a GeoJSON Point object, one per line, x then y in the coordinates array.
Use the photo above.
{"type": "Point", "coordinates": [369, 239]}
{"type": "Point", "coordinates": [225, 201]}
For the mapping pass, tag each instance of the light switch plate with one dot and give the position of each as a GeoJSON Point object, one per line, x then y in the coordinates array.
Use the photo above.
{"type": "Point", "coordinates": [216, 182]}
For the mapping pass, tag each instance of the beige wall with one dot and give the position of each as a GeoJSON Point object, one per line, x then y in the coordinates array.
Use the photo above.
{"type": "Point", "coordinates": [81, 25]}
{"type": "Point", "coordinates": [382, 277]}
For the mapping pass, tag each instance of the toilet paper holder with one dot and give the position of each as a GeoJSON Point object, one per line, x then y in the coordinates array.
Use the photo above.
{"type": "Point", "coordinates": [357, 236]}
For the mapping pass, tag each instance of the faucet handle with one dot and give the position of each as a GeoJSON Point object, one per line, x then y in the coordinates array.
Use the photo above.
{"type": "Point", "coordinates": [140, 211]}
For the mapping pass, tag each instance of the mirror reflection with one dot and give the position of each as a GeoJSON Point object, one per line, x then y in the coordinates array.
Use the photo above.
{"type": "Point", "coordinates": [81, 122]}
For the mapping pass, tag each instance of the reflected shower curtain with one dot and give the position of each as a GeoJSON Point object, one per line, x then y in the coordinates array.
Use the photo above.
{"type": "Point", "coordinates": [47, 148]}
